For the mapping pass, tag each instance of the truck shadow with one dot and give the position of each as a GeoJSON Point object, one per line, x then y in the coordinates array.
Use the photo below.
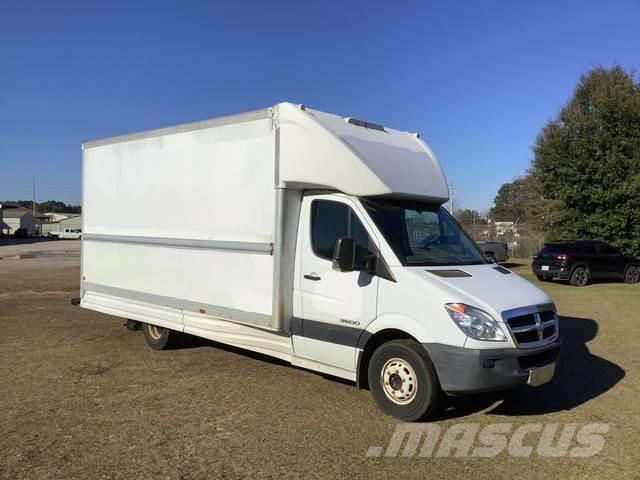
{"type": "Point", "coordinates": [580, 377]}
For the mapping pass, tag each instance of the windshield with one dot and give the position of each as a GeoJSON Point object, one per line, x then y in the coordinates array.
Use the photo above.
{"type": "Point", "coordinates": [423, 234]}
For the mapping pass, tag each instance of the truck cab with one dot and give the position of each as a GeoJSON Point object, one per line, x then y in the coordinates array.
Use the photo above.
{"type": "Point", "coordinates": [396, 291]}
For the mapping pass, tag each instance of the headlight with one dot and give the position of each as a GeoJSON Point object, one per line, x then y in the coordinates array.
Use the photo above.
{"type": "Point", "coordinates": [475, 323]}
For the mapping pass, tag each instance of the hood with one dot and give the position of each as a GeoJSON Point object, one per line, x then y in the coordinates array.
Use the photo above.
{"type": "Point", "coordinates": [489, 287]}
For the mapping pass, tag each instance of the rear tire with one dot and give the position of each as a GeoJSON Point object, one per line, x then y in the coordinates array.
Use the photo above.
{"type": "Point", "coordinates": [403, 380]}
{"type": "Point", "coordinates": [160, 338]}
{"type": "Point", "coordinates": [632, 274]}
{"type": "Point", "coordinates": [579, 277]}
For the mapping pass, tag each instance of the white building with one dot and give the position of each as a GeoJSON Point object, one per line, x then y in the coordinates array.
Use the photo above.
{"type": "Point", "coordinates": [15, 218]}
{"type": "Point", "coordinates": [3, 208]}
{"type": "Point", "coordinates": [71, 220]}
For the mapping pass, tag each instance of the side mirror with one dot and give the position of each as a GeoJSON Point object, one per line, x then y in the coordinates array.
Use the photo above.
{"type": "Point", "coordinates": [344, 255]}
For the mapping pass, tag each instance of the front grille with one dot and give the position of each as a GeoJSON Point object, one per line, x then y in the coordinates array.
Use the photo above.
{"type": "Point", "coordinates": [528, 336]}
{"type": "Point", "coordinates": [547, 315]}
{"type": "Point", "coordinates": [549, 331]}
{"type": "Point", "coordinates": [522, 320]}
{"type": "Point", "coordinates": [532, 328]}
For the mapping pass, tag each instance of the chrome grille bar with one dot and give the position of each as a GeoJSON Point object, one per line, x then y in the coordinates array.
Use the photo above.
{"type": "Point", "coordinates": [528, 329]}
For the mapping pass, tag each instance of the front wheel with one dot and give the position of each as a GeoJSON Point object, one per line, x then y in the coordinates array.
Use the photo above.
{"type": "Point", "coordinates": [403, 380]}
{"type": "Point", "coordinates": [632, 274]}
{"type": "Point", "coordinates": [160, 338]}
{"type": "Point", "coordinates": [579, 277]}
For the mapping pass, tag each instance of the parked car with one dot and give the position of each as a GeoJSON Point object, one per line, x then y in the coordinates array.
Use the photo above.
{"type": "Point", "coordinates": [21, 233]}
{"type": "Point", "coordinates": [583, 261]}
{"type": "Point", "coordinates": [68, 233]}
{"type": "Point", "coordinates": [496, 251]}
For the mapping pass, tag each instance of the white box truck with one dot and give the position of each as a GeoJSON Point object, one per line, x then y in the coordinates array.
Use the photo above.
{"type": "Point", "coordinates": [313, 238]}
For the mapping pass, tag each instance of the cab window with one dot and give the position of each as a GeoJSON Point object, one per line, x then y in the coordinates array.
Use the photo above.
{"type": "Point", "coordinates": [332, 220]}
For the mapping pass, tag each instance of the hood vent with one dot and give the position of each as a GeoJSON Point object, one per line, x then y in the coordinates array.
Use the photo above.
{"type": "Point", "coordinates": [502, 270]}
{"type": "Point", "coordinates": [449, 273]}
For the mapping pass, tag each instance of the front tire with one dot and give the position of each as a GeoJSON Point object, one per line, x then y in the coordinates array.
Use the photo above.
{"type": "Point", "coordinates": [403, 380]}
{"type": "Point", "coordinates": [160, 338]}
{"type": "Point", "coordinates": [632, 274]}
{"type": "Point", "coordinates": [579, 277]}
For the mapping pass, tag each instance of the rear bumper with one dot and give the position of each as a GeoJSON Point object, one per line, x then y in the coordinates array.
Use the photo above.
{"type": "Point", "coordinates": [465, 370]}
{"type": "Point", "coordinates": [553, 272]}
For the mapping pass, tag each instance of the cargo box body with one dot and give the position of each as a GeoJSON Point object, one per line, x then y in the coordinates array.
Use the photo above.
{"type": "Point", "coordinates": [182, 222]}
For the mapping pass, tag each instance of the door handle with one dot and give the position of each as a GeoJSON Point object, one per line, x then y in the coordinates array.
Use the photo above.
{"type": "Point", "coordinates": [312, 276]}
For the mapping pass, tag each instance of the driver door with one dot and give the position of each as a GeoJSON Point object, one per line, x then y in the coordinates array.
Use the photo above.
{"type": "Point", "coordinates": [336, 306]}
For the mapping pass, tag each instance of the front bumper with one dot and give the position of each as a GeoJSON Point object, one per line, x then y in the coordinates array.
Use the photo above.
{"type": "Point", "coordinates": [465, 370]}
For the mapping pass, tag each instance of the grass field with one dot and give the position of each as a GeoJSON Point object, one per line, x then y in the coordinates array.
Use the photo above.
{"type": "Point", "coordinates": [82, 397]}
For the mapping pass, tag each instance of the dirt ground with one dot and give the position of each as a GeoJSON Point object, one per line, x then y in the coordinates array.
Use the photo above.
{"type": "Point", "coordinates": [82, 397]}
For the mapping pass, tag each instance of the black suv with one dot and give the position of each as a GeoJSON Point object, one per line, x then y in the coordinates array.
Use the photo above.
{"type": "Point", "coordinates": [581, 261]}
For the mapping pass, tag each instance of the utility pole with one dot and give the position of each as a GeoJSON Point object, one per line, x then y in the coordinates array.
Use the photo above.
{"type": "Point", "coordinates": [33, 203]}
{"type": "Point", "coordinates": [451, 198]}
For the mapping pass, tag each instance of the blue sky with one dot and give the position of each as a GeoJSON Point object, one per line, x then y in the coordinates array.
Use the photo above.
{"type": "Point", "coordinates": [477, 79]}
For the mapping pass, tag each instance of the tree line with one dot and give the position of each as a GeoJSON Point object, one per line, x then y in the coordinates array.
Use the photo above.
{"type": "Point", "coordinates": [50, 206]}
{"type": "Point", "coordinates": [584, 179]}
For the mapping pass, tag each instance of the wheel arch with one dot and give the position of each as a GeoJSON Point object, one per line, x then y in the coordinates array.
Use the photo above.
{"type": "Point", "coordinates": [368, 344]}
{"type": "Point", "coordinates": [383, 329]}
{"type": "Point", "coordinates": [582, 264]}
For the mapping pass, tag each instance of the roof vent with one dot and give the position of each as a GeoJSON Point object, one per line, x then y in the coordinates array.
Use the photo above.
{"type": "Point", "coordinates": [365, 124]}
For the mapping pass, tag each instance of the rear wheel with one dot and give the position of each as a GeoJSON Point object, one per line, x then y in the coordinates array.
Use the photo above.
{"type": "Point", "coordinates": [579, 277]}
{"type": "Point", "coordinates": [632, 274]}
{"type": "Point", "coordinates": [403, 380]}
{"type": "Point", "coordinates": [160, 338]}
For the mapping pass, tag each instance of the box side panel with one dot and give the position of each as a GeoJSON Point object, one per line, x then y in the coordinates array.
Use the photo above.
{"type": "Point", "coordinates": [218, 283]}
{"type": "Point", "coordinates": [183, 221]}
{"type": "Point", "coordinates": [215, 183]}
